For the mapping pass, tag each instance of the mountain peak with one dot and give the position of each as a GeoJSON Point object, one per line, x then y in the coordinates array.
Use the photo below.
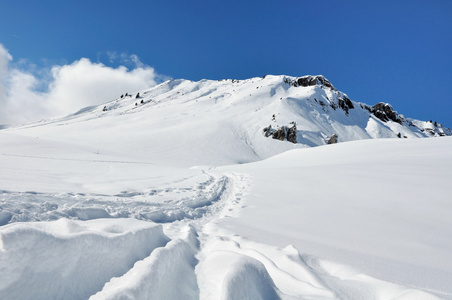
{"type": "Point", "coordinates": [310, 80]}
{"type": "Point", "coordinates": [244, 120]}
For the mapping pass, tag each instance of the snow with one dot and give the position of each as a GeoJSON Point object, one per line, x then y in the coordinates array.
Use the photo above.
{"type": "Point", "coordinates": [170, 268]}
{"type": "Point", "coordinates": [380, 206]}
{"type": "Point", "coordinates": [183, 197]}
{"type": "Point", "coordinates": [71, 259]}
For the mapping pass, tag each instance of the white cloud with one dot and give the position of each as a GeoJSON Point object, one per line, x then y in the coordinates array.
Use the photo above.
{"type": "Point", "coordinates": [68, 88]}
{"type": "Point", "coordinates": [5, 58]}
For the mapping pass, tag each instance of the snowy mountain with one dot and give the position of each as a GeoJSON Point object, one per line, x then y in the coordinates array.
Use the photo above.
{"type": "Point", "coordinates": [230, 120]}
{"type": "Point", "coordinates": [227, 190]}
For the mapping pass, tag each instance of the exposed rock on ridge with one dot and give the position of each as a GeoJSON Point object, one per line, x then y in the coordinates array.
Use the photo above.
{"type": "Point", "coordinates": [309, 81]}
{"type": "Point", "coordinates": [283, 133]}
{"type": "Point", "coordinates": [385, 112]}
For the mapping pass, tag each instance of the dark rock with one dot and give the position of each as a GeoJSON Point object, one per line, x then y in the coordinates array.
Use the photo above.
{"type": "Point", "coordinates": [314, 80]}
{"type": "Point", "coordinates": [279, 134]}
{"type": "Point", "coordinates": [345, 104]}
{"type": "Point", "coordinates": [292, 134]}
{"type": "Point", "coordinates": [268, 131]}
{"type": "Point", "coordinates": [283, 133]}
{"type": "Point", "coordinates": [310, 81]}
{"type": "Point", "coordinates": [332, 139]}
{"type": "Point", "coordinates": [384, 112]}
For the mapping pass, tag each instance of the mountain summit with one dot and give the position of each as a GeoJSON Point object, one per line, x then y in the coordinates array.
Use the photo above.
{"type": "Point", "coordinates": [232, 121]}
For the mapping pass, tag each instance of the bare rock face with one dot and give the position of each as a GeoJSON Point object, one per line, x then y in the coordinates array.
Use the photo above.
{"type": "Point", "coordinates": [279, 134]}
{"type": "Point", "coordinates": [283, 133]}
{"type": "Point", "coordinates": [314, 80]}
{"type": "Point", "coordinates": [268, 131]}
{"type": "Point", "coordinates": [310, 81]}
{"type": "Point", "coordinates": [345, 103]}
{"type": "Point", "coordinates": [292, 134]}
{"type": "Point", "coordinates": [384, 112]}
{"type": "Point", "coordinates": [332, 139]}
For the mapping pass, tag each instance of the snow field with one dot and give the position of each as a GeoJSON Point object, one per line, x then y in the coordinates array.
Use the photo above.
{"type": "Point", "coordinates": [381, 207]}
{"type": "Point", "coordinates": [248, 245]}
{"type": "Point", "coordinates": [241, 216]}
{"type": "Point", "coordinates": [68, 259]}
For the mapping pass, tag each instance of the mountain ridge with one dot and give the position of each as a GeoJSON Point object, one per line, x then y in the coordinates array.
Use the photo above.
{"type": "Point", "coordinates": [244, 120]}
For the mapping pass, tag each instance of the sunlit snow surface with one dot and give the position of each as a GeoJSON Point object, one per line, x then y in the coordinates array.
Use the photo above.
{"type": "Point", "coordinates": [182, 198]}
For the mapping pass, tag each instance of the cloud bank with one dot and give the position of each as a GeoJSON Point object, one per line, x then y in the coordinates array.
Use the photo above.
{"type": "Point", "coordinates": [24, 97]}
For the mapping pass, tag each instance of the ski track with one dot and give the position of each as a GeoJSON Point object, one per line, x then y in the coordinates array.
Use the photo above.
{"type": "Point", "coordinates": [206, 262]}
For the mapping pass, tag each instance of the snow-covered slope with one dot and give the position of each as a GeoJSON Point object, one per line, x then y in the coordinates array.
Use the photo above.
{"type": "Point", "coordinates": [180, 193]}
{"type": "Point", "coordinates": [228, 121]}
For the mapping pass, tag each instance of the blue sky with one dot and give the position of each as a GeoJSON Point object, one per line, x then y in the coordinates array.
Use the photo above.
{"type": "Point", "coordinates": [391, 51]}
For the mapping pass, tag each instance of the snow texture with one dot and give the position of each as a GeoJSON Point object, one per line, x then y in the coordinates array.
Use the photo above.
{"type": "Point", "coordinates": [179, 194]}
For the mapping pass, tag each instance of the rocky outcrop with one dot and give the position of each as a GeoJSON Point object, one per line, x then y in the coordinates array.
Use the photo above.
{"type": "Point", "coordinates": [310, 81]}
{"type": "Point", "coordinates": [384, 112]}
{"type": "Point", "coordinates": [292, 134]}
{"type": "Point", "coordinates": [345, 103]}
{"type": "Point", "coordinates": [434, 128]}
{"type": "Point", "coordinates": [332, 139]}
{"type": "Point", "coordinates": [282, 133]}
{"type": "Point", "coordinates": [279, 134]}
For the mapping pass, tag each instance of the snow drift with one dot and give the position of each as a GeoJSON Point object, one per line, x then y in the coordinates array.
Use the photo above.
{"type": "Point", "coordinates": [251, 199]}
{"type": "Point", "coordinates": [71, 259]}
